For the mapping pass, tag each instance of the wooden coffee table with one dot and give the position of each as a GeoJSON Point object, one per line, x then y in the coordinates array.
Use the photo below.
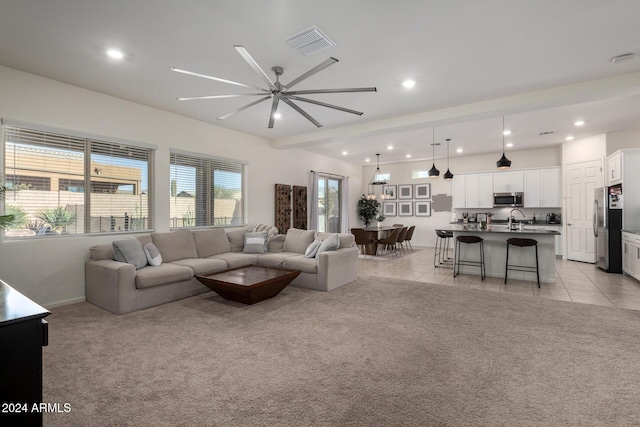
{"type": "Point", "coordinates": [249, 284]}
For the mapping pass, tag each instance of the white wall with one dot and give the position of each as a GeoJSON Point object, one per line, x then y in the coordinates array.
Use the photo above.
{"type": "Point", "coordinates": [426, 226]}
{"type": "Point", "coordinates": [51, 271]}
{"type": "Point", "coordinates": [623, 139]}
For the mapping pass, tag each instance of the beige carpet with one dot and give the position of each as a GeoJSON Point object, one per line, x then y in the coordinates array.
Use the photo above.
{"type": "Point", "coordinates": [374, 352]}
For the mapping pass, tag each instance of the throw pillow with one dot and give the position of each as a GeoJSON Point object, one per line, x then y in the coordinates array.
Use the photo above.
{"type": "Point", "coordinates": [153, 254]}
{"type": "Point", "coordinates": [129, 251]}
{"type": "Point", "coordinates": [275, 243]}
{"type": "Point", "coordinates": [255, 242]}
{"type": "Point", "coordinates": [331, 243]}
{"type": "Point", "coordinates": [312, 249]}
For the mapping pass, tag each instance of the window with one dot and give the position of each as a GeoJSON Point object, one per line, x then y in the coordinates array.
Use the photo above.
{"type": "Point", "coordinates": [50, 172]}
{"type": "Point", "coordinates": [419, 174]}
{"type": "Point", "coordinates": [206, 191]}
{"type": "Point", "coordinates": [329, 195]}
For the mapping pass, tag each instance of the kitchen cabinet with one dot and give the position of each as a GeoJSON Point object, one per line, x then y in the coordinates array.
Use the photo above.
{"type": "Point", "coordinates": [542, 188]}
{"type": "Point", "coordinates": [508, 182]}
{"type": "Point", "coordinates": [474, 190]}
{"type": "Point", "coordinates": [614, 168]}
{"type": "Point", "coordinates": [631, 254]}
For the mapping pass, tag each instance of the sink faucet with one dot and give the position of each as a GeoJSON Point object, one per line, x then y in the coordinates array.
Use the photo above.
{"type": "Point", "coordinates": [511, 216]}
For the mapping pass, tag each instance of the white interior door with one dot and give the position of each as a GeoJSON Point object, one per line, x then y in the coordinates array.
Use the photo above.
{"type": "Point", "coordinates": [582, 180]}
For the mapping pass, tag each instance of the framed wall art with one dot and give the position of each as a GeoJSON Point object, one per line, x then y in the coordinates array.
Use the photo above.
{"type": "Point", "coordinates": [422, 191]}
{"type": "Point", "coordinates": [389, 209]}
{"type": "Point", "coordinates": [390, 191]}
{"type": "Point", "coordinates": [405, 191]}
{"type": "Point", "coordinates": [405, 208]}
{"type": "Point", "coordinates": [423, 208]}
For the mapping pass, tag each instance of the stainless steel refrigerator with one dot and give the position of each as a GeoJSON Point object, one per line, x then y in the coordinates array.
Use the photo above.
{"type": "Point", "coordinates": [607, 227]}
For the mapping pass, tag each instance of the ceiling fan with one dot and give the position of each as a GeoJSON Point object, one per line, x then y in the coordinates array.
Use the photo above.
{"type": "Point", "coordinates": [277, 91]}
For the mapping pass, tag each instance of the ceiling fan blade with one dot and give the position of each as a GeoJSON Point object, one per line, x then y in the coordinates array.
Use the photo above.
{"type": "Point", "coordinates": [324, 104]}
{"type": "Point", "coordinates": [226, 116]}
{"type": "Point", "coordinates": [253, 64]}
{"type": "Point", "coordinates": [193, 98]}
{"type": "Point", "coordinates": [312, 91]}
{"type": "Point", "coordinates": [311, 72]}
{"type": "Point", "coordinates": [274, 108]}
{"type": "Point", "coordinates": [301, 111]}
{"type": "Point", "coordinates": [231, 82]}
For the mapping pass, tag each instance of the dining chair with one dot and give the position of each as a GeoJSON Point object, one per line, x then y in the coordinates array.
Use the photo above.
{"type": "Point", "coordinates": [389, 242]}
{"type": "Point", "coordinates": [409, 236]}
{"type": "Point", "coordinates": [401, 237]}
{"type": "Point", "coordinates": [363, 239]}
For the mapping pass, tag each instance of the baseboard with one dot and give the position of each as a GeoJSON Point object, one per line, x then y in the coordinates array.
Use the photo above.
{"type": "Point", "coordinates": [65, 302]}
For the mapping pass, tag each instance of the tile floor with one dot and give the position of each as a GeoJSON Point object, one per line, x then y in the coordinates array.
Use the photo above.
{"type": "Point", "coordinates": [576, 282]}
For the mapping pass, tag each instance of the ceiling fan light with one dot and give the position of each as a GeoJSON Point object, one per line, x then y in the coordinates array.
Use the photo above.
{"type": "Point", "coordinates": [503, 163]}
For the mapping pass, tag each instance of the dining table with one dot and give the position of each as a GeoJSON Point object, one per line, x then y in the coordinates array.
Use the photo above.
{"type": "Point", "coordinates": [376, 233]}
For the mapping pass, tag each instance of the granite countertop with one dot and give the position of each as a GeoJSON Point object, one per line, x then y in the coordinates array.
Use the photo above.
{"type": "Point", "coordinates": [632, 231]}
{"type": "Point", "coordinates": [499, 228]}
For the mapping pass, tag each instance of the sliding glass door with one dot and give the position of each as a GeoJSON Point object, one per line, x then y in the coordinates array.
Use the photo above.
{"type": "Point", "coordinates": [329, 196]}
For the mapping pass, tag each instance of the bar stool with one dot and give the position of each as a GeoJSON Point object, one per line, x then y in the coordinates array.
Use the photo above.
{"type": "Point", "coordinates": [522, 243]}
{"type": "Point", "coordinates": [458, 262]}
{"type": "Point", "coordinates": [441, 253]}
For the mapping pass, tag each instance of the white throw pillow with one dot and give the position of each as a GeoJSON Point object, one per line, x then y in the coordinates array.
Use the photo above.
{"type": "Point", "coordinates": [153, 254]}
{"type": "Point", "coordinates": [255, 242]}
{"type": "Point", "coordinates": [312, 249]}
{"type": "Point", "coordinates": [331, 243]}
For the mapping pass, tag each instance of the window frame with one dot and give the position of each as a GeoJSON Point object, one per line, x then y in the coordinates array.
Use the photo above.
{"type": "Point", "coordinates": [209, 207]}
{"type": "Point", "coordinates": [89, 140]}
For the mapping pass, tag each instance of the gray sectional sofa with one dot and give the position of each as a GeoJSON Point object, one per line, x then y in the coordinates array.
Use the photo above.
{"type": "Point", "coordinates": [121, 288]}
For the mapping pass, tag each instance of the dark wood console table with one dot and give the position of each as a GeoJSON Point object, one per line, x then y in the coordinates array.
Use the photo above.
{"type": "Point", "coordinates": [23, 333]}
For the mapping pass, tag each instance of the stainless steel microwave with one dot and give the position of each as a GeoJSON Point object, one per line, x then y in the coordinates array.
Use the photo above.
{"type": "Point", "coordinates": [508, 200]}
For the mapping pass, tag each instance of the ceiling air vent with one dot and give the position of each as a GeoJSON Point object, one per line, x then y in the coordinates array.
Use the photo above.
{"type": "Point", "coordinates": [549, 132]}
{"type": "Point", "coordinates": [310, 41]}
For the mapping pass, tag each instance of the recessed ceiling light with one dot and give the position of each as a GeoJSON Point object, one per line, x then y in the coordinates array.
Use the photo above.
{"type": "Point", "coordinates": [115, 54]}
{"type": "Point", "coordinates": [579, 122]}
{"type": "Point", "coordinates": [459, 150]}
{"type": "Point", "coordinates": [367, 160]}
{"type": "Point", "coordinates": [390, 147]}
{"type": "Point", "coordinates": [344, 153]}
{"type": "Point", "coordinates": [408, 84]}
{"type": "Point", "coordinates": [506, 132]}
{"type": "Point", "coordinates": [509, 144]}
{"type": "Point", "coordinates": [408, 156]}
{"type": "Point", "coordinates": [277, 116]}
{"type": "Point", "coordinates": [569, 138]}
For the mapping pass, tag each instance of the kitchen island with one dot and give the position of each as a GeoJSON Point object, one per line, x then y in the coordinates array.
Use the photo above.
{"type": "Point", "coordinates": [495, 250]}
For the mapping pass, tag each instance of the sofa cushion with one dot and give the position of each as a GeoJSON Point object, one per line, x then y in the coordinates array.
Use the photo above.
{"type": "Point", "coordinates": [234, 260]}
{"type": "Point", "coordinates": [98, 252]}
{"type": "Point", "coordinates": [347, 240]}
{"type": "Point", "coordinates": [202, 265]}
{"type": "Point", "coordinates": [275, 243]}
{"type": "Point", "coordinates": [175, 245]}
{"type": "Point", "coordinates": [211, 242]}
{"type": "Point", "coordinates": [298, 240]}
{"type": "Point", "coordinates": [255, 242]}
{"type": "Point", "coordinates": [276, 259]}
{"type": "Point", "coordinates": [129, 251]}
{"type": "Point", "coordinates": [300, 262]}
{"type": "Point", "coordinates": [236, 239]}
{"type": "Point", "coordinates": [153, 254]}
{"type": "Point", "coordinates": [164, 274]}
{"type": "Point", "coordinates": [331, 243]}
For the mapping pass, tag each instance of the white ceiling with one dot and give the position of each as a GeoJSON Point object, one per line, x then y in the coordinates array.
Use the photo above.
{"type": "Point", "coordinates": [542, 64]}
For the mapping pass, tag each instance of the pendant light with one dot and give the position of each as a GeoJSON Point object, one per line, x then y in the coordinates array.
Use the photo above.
{"type": "Point", "coordinates": [448, 175]}
{"type": "Point", "coordinates": [503, 163]}
{"type": "Point", "coordinates": [433, 172]}
{"type": "Point", "coordinates": [376, 179]}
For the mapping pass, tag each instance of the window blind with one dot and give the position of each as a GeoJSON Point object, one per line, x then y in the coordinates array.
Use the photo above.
{"type": "Point", "coordinates": [64, 184]}
{"type": "Point", "coordinates": [206, 191]}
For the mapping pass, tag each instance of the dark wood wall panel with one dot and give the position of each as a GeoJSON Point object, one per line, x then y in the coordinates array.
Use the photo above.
{"type": "Point", "coordinates": [283, 207]}
{"type": "Point", "coordinates": [300, 207]}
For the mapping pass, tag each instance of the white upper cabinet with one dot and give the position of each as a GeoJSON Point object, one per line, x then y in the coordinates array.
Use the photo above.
{"type": "Point", "coordinates": [474, 190]}
{"type": "Point", "coordinates": [459, 191]}
{"type": "Point", "coordinates": [614, 168]}
{"type": "Point", "coordinates": [508, 182]}
{"type": "Point", "coordinates": [542, 188]}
